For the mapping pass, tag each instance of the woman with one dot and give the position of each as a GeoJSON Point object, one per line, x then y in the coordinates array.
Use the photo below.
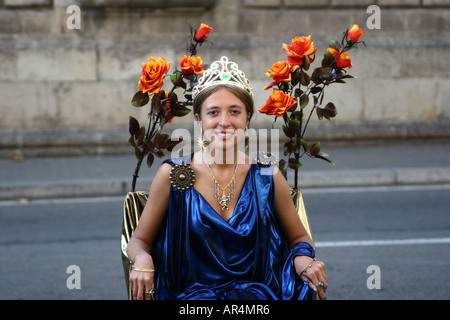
{"type": "Point", "coordinates": [234, 234]}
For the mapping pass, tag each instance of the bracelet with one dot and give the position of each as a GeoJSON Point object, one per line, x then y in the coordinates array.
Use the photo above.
{"type": "Point", "coordinates": [307, 266]}
{"type": "Point", "coordinates": [143, 270]}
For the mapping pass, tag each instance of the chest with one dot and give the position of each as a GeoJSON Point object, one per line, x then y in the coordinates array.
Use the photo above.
{"type": "Point", "coordinates": [221, 194]}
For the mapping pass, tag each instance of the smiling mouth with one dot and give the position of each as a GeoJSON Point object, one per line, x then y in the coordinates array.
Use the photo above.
{"type": "Point", "coordinates": [225, 135]}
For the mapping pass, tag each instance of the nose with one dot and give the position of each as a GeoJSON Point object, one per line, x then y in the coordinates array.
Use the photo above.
{"type": "Point", "coordinates": [224, 120]}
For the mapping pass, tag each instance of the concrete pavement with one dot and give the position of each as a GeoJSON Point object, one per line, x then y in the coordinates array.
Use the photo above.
{"type": "Point", "coordinates": [355, 166]}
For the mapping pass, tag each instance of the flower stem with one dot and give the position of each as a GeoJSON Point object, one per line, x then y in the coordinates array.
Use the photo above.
{"type": "Point", "coordinates": [312, 110]}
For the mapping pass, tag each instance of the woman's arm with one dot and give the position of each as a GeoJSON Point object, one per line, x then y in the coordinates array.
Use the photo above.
{"type": "Point", "coordinates": [138, 249]}
{"type": "Point", "coordinates": [306, 267]}
{"type": "Point", "coordinates": [287, 213]}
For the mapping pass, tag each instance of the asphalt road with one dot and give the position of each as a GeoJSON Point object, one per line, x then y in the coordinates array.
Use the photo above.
{"type": "Point", "coordinates": [403, 231]}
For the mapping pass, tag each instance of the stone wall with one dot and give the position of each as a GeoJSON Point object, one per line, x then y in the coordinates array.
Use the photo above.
{"type": "Point", "coordinates": [67, 91]}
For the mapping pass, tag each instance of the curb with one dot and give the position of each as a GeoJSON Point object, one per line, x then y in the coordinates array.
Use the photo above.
{"type": "Point", "coordinates": [84, 188]}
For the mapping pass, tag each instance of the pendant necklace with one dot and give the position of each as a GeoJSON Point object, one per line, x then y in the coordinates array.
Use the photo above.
{"type": "Point", "coordinates": [227, 191]}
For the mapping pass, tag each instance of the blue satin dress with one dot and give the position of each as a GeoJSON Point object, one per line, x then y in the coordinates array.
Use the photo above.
{"type": "Point", "coordinates": [200, 256]}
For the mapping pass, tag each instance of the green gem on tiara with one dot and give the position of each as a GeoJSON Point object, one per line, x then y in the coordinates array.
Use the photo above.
{"type": "Point", "coordinates": [225, 76]}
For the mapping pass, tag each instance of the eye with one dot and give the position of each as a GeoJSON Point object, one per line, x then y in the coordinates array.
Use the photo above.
{"type": "Point", "coordinates": [211, 113]}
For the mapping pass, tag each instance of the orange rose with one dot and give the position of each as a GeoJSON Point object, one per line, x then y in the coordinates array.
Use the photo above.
{"type": "Point", "coordinates": [299, 48]}
{"type": "Point", "coordinates": [354, 34]}
{"type": "Point", "coordinates": [153, 74]}
{"type": "Point", "coordinates": [280, 72]}
{"type": "Point", "coordinates": [343, 61]}
{"type": "Point", "coordinates": [202, 33]}
{"type": "Point", "coordinates": [277, 104]}
{"type": "Point", "coordinates": [191, 65]}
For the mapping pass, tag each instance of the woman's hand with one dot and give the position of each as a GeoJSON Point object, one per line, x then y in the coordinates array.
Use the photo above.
{"type": "Point", "coordinates": [142, 281]}
{"type": "Point", "coordinates": [314, 272]}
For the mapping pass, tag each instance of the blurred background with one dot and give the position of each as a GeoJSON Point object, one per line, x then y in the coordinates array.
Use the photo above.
{"type": "Point", "coordinates": [67, 91]}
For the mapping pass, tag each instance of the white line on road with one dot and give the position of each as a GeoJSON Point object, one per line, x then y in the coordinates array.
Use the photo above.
{"type": "Point", "coordinates": [363, 243]}
{"type": "Point", "coordinates": [431, 187]}
{"type": "Point", "coordinates": [25, 201]}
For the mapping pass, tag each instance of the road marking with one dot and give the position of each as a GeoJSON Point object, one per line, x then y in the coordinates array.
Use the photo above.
{"type": "Point", "coordinates": [364, 243]}
{"type": "Point", "coordinates": [31, 202]}
{"type": "Point", "coordinates": [431, 187]}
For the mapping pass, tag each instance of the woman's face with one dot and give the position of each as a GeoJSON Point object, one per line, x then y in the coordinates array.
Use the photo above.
{"type": "Point", "coordinates": [224, 118]}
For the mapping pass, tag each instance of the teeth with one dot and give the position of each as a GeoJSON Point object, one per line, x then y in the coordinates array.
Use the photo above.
{"type": "Point", "coordinates": [225, 134]}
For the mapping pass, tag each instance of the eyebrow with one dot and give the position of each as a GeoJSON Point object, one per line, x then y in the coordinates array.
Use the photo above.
{"type": "Point", "coordinates": [229, 107]}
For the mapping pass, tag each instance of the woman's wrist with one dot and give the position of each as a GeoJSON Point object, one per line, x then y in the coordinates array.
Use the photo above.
{"type": "Point", "coordinates": [143, 260]}
{"type": "Point", "coordinates": [302, 263]}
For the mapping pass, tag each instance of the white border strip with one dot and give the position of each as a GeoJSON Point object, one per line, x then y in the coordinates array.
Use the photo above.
{"type": "Point", "coordinates": [364, 243]}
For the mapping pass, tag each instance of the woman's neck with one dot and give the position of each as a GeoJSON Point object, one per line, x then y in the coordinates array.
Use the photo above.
{"type": "Point", "coordinates": [223, 159]}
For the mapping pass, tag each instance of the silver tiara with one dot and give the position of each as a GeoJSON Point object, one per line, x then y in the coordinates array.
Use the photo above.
{"type": "Point", "coordinates": [222, 71]}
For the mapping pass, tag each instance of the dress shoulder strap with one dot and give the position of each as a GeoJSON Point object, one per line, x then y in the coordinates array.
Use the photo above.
{"type": "Point", "coordinates": [181, 176]}
{"type": "Point", "coordinates": [181, 160]}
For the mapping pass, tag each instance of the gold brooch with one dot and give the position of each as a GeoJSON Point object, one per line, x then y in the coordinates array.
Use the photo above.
{"type": "Point", "coordinates": [265, 158]}
{"type": "Point", "coordinates": [182, 176]}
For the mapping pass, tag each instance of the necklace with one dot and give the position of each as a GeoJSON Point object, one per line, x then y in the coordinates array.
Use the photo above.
{"type": "Point", "coordinates": [227, 191]}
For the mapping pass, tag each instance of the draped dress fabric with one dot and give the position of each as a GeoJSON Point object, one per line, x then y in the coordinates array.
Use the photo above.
{"type": "Point", "coordinates": [200, 256]}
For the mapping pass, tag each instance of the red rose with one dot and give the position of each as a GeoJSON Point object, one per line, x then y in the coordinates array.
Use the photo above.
{"type": "Point", "coordinates": [343, 61]}
{"type": "Point", "coordinates": [202, 33]}
{"type": "Point", "coordinates": [354, 34]}
{"type": "Point", "coordinates": [299, 48]}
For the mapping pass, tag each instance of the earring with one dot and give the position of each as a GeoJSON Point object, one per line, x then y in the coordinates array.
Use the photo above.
{"type": "Point", "coordinates": [201, 140]}
{"type": "Point", "coordinates": [247, 138]}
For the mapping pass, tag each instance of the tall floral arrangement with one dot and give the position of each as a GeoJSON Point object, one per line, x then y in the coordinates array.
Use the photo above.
{"type": "Point", "coordinates": [294, 89]}
{"type": "Point", "coordinates": [164, 105]}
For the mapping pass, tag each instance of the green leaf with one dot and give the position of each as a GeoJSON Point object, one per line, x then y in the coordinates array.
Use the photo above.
{"type": "Point", "coordinates": [306, 63]}
{"type": "Point", "coordinates": [179, 110]}
{"type": "Point", "coordinates": [140, 99]}
{"type": "Point", "coordinates": [294, 125]}
{"type": "Point", "coordinates": [148, 144]}
{"type": "Point", "coordinates": [304, 100]}
{"type": "Point", "coordinates": [288, 131]}
{"type": "Point", "coordinates": [314, 149]}
{"type": "Point", "coordinates": [335, 45]}
{"type": "Point", "coordinates": [156, 103]}
{"type": "Point", "coordinates": [294, 164]}
{"type": "Point", "coordinates": [131, 142]}
{"type": "Point", "coordinates": [177, 79]}
{"type": "Point", "coordinates": [150, 159]}
{"type": "Point", "coordinates": [138, 153]}
{"type": "Point", "coordinates": [295, 77]}
{"type": "Point", "coordinates": [316, 89]}
{"type": "Point", "coordinates": [328, 59]}
{"type": "Point", "coordinates": [159, 141]}
{"type": "Point", "coordinates": [297, 93]}
{"type": "Point", "coordinates": [327, 112]}
{"type": "Point", "coordinates": [320, 74]}
{"type": "Point", "coordinates": [289, 147]}
{"type": "Point", "coordinates": [170, 144]}
{"type": "Point", "coordinates": [133, 126]}
{"type": "Point", "coordinates": [305, 79]}
{"type": "Point", "coordinates": [140, 135]}
{"type": "Point", "coordinates": [324, 156]}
